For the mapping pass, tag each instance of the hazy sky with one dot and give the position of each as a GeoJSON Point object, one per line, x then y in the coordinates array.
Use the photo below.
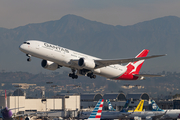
{"type": "Point", "coordinates": [14, 13]}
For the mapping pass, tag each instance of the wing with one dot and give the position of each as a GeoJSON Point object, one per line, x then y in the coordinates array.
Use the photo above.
{"type": "Point", "coordinates": [103, 63]}
{"type": "Point", "coordinates": [160, 116]}
{"type": "Point", "coordinates": [16, 108]}
{"type": "Point", "coordinates": [35, 113]}
{"type": "Point", "coordinates": [127, 114]}
{"type": "Point", "coordinates": [107, 62]}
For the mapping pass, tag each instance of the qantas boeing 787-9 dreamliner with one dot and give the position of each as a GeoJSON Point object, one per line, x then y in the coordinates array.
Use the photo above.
{"type": "Point", "coordinates": [54, 57]}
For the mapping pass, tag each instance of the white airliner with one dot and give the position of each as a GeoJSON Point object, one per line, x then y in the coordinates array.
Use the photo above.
{"type": "Point", "coordinates": [170, 114]}
{"type": "Point", "coordinates": [54, 57]}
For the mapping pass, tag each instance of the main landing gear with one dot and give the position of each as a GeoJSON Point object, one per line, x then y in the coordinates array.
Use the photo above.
{"type": "Point", "coordinates": [29, 57]}
{"type": "Point", "coordinates": [91, 75]}
{"type": "Point", "coordinates": [73, 75]}
{"type": "Point", "coordinates": [81, 72]}
{"type": "Point", "coordinates": [87, 73]}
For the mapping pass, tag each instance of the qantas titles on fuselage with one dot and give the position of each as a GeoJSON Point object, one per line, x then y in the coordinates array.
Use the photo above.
{"type": "Point", "coordinates": [54, 57]}
{"type": "Point", "coordinates": [56, 47]}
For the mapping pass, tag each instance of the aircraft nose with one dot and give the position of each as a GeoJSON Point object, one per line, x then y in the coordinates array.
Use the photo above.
{"type": "Point", "coordinates": [179, 116]}
{"type": "Point", "coordinates": [10, 114]}
{"type": "Point", "coordinates": [21, 47]}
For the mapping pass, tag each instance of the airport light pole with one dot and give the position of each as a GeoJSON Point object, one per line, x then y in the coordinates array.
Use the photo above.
{"type": "Point", "coordinates": [53, 86]}
{"type": "Point", "coordinates": [48, 83]}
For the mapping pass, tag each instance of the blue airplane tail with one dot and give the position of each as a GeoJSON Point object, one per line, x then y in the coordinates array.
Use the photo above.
{"type": "Point", "coordinates": [155, 106]}
{"type": "Point", "coordinates": [126, 106]}
{"type": "Point", "coordinates": [110, 107]}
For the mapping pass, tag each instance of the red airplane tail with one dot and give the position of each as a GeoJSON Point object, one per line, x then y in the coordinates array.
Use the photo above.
{"type": "Point", "coordinates": [134, 67]}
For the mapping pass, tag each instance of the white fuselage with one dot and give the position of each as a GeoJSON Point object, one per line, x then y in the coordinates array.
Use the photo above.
{"type": "Point", "coordinates": [171, 114]}
{"type": "Point", "coordinates": [63, 57]}
{"type": "Point", "coordinates": [147, 114]}
{"type": "Point", "coordinates": [166, 114]}
{"type": "Point", "coordinates": [126, 115]}
{"type": "Point", "coordinates": [105, 115]}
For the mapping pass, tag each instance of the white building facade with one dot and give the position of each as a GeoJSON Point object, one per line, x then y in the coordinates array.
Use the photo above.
{"type": "Point", "coordinates": [66, 102]}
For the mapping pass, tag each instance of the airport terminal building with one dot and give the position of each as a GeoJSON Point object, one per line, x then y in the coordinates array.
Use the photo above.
{"type": "Point", "coordinates": [70, 102]}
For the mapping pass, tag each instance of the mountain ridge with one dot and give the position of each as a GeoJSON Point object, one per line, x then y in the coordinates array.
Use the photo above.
{"type": "Point", "coordinates": [95, 38]}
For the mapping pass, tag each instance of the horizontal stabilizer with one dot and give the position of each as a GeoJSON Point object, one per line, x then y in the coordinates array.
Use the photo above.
{"type": "Point", "coordinates": [142, 76]}
{"type": "Point", "coordinates": [148, 75]}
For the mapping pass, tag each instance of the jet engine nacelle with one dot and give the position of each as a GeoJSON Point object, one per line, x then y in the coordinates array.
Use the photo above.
{"type": "Point", "coordinates": [49, 65]}
{"type": "Point", "coordinates": [86, 63]}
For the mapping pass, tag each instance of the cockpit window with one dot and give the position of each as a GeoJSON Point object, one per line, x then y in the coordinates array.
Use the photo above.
{"type": "Point", "coordinates": [27, 43]}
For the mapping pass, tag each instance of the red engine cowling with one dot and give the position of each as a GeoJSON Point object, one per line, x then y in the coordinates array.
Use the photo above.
{"type": "Point", "coordinates": [49, 65]}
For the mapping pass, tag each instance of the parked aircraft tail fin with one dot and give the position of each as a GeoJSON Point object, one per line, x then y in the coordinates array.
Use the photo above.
{"type": "Point", "coordinates": [126, 106]}
{"type": "Point", "coordinates": [140, 106]}
{"type": "Point", "coordinates": [110, 107]}
{"type": "Point", "coordinates": [134, 67]}
{"type": "Point", "coordinates": [155, 106]}
{"type": "Point", "coordinates": [96, 113]}
{"type": "Point", "coordinates": [5, 98]}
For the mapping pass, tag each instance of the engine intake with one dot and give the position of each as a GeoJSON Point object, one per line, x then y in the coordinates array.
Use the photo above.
{"type": "Point", "coordinates": [49, 65]}
{"type": "Point", "coordinates": [86, 63]}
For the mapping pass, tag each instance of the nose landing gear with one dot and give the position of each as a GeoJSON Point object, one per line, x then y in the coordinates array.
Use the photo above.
{"type": "Point", "coordinates": [29, 57]}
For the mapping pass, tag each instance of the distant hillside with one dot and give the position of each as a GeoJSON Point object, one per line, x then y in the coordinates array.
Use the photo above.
{"type": "Point", "coordinates": [168, 85]}
{"type": "Point", "coordinates": [160, 36]}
